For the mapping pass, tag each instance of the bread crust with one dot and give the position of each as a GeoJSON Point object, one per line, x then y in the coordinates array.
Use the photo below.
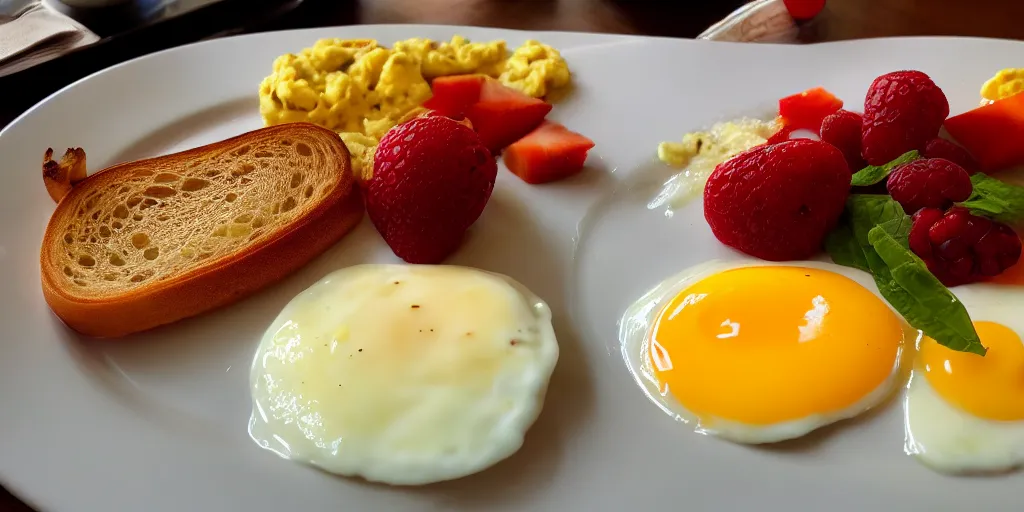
{"type": "Point", "coordinates": [218, 283]}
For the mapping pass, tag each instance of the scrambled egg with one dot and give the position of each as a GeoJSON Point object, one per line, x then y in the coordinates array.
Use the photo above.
{"type": "Point", "coordinates": [700, 152]}
{"type": "Point", "coordinates": [361, 89]}
{"type": "Point", "coordinates": [1005, 83]}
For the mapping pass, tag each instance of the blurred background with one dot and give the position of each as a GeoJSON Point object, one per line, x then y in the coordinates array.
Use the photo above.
{"type": "Point", "coordinates": [123, 29]}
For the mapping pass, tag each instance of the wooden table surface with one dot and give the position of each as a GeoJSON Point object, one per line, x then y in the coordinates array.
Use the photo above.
{"type": "Point", "coordinates": [841, 19]}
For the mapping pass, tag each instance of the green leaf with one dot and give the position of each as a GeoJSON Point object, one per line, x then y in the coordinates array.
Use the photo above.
{"type": "Point", "coordinates": [844, 249]}
{"type": "Point", "coordinates": [875, 173]}
{"type": "Point", "coordinates": [919, 296]}
{"type": "Point", "coordinates": [869, 210]}
{"type": "Point", "coordinates": [995, 199]}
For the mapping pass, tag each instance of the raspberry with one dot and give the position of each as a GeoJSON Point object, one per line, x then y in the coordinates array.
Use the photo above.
{"type": "Point", "coordinates": [842, 130]}
{"type": "Point", "coordinates": [960, 247]}
{"type": "Point", "coordinates": [929, 183]}
{"type": "Point", "coordinates": [942, 148]}
{"type": "Point", "coordinates": [777, 202]}
{"type": "Point", "coordinates": [903, 110]}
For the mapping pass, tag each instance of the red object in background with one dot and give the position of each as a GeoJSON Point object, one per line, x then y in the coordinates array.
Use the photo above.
{"type": "Point", "coordinates": [807, 109]}
{"type": "Point", "coordinates": [453, 95]}
{"type": "Point", "coordinates": [804, 9]}
{"type": "Point", "coordinates": [993, 133]}
{"type": "Point", "coordinates": [549, 153]}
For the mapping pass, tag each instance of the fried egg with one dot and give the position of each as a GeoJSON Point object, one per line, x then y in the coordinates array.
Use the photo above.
{"type": "Point", "coordinates": [756, 352]}
{"type": "Point", "coordinates": [403, 374]}
{"type": "Point", "coordinates": [964, 413]}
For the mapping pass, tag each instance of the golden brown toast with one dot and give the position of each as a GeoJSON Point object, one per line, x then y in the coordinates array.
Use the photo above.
{"type": "Point", "coordinates": [146, 243]}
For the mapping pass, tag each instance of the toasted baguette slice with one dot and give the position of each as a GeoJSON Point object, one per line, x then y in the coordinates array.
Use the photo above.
{"type": "Point", "coordinates": [147, 243]}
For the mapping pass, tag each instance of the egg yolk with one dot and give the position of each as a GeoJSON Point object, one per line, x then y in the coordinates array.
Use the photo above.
{"type": "Point", "coordinates": [764, 345]}
{"type": "Point", "coordinates": [989, 386]}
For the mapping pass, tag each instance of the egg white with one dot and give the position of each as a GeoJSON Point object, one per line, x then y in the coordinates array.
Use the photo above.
{"type": "Point", "coordinates": [949, 439]}
{"type": "Point", "coordinates": [403, 374]}
{"type": "Point", "coordinates": [639, 317]}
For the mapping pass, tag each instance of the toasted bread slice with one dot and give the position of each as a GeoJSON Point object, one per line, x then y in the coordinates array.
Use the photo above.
{"type": "Point", "coordinates": [147, 243]}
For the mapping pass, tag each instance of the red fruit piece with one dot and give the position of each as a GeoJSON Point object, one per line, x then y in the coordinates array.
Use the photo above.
{"type": "Point", "coordinates": [807, 109]}
{"type": "Point", "coordinates": [453, 95]}
{"type": "Point", "coordinates": [804, 9]}
{"type": "Point", "coordinates": [929, 183]}
{"type": "Point", "coordinates": [431, 179]}
{"type": "Point", "coordinates": [504, 115]}
{"type": "Point", "coordinates": [902, 111]}
{"type": "Point", "coordinates": [842, 130]}
{"type": "Point", "coordinates": [960, 247]}
{"type": "Point", "coordinates": [942, 148]}
{"type": "Point", "coordinates": [992, 133]}
{"type": "Point", "coordinates": [549, 153]}
{"type": "Point", "coordinates": [777, 202]}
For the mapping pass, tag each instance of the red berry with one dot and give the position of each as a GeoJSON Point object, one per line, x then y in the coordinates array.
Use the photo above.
{"type": "Point", "coordinates": [903, 110]}
{"type": "Point", "coordinates": [942, 148]}
{"type": "Point", "coordinates": [960, 247]}
{"type": "Point", "coordinates": [804, 9]}
{"type": "Point", "coordinates": [929, 183]}
{"type": "Point", "coordinates": [842, 130]}
{"type": "Point", "coordinates": [777, 202]}
{"type": "Point", "coordinates": [432, 177]}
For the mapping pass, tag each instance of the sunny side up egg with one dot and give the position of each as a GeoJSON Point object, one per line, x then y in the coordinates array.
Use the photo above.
{"type": "Point", "coordinates": [965, 413]}
{"type": "Point", "coordinates": [756, 352]}
{"type": "Point", "coordinates": [403, 374]}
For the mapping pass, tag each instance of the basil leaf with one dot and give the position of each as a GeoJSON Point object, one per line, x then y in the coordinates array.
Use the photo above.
{"type": "Point", "coordinates": [918, 295]}
{"type": "Point", "coordinates": [995, 199]}
{"type": "Point", "coordinates": [875, 173]}
{"type": "Point", "coordinates": [844, 249]}
{"type": "Point", "coordinates": [868, 210]}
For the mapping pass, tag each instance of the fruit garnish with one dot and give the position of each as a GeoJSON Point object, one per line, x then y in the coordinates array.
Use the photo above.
{"type": "Point", "coordinates": [432, 178]}
{"type": "Point", "coordinates": [807, 109]}
{"type": "Point", "coordinates": [874, 235]}
{"type": "Point", "coordinates": [453, 95]}
{"type": "Point", "coordinates": [777, 202]}
{"type": "Point", "coordinates": [503, 115]}
{"type": "Point", "coordinates": [804, 9]}
{"type": "Point", "coordinates": [549, 153]}
{"type": "Point", "coordinates": [877, 173]}
{"type": "Point", "coordinates": [942, 148]}
{"type": "Point", "coordinates": [842, 130]}
{"type": "Point", "coordinates": [960, 247]}
{"type": "Point", "coordinates": [996, 200]}
{"type": "Point", "coordinates": [992, 134]}
{"type": "Point", "coordinates": [929, 183]}
{"type": "Point", "coordinates": [903, 110]}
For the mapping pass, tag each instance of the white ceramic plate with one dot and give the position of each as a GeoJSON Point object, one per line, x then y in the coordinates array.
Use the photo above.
{"type": "Point", "coordinates": [158, 421]}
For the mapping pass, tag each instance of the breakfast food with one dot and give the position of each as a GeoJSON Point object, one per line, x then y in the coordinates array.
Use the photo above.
{"type": "Point", "coordinates": [942, 148]}
{"type": "Point", "coordinates": [902, 111]}
{"type": "Point", "coordinates": [929, 183]}
{"type": "Point", "coordinates": [362, 89]}
{"type": "Point", "coordinates": [992, 133]}
{"type": "Point", "coordinates": [842, 129]}
{"type": "Point", "coordinates": [964, 413]}
{"type": "Point", "coordinates": [149, 242]}
{"type": "Point", "coordinates": [697, 155]}
{"type": "Point", "coordinates": [502, 115]}
{"type": "Point", "coordinates": [806, 110]}
{"type": "Point", "coordinates": [759, 353]}
{"type": "Point", "coordinates": [549, 153]}
{"type": "Point", "coordinates": [777, 202]}
{"type": "Point", "coordinates": [403, 374]}
{"type": "Point", "coordinates": [432, 178]}
{"type": "Point", "coordinates": [1007, 82]}
{"type": "Point", "coordinates": [960, 247]}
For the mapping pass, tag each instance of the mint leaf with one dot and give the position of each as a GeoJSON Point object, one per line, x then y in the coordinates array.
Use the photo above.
{"type": "Point", "coordinates": [844, 249]}
{"type": "Point", "coordinates": [875, 173]}
{"type": "Point", "coordinates": [995, 199]}
{"type": "Point", "coordinates": [919, 296]}
{"type": "Point", "coordinates": [880, 227]}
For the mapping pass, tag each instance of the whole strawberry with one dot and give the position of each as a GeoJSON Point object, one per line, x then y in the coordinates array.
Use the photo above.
{"type": "Point", "coordinates": [777, 202]}
{"type": "Point", "coordinates": [432, 177]}
{"type": "Point", "coordinates": [903, 110]}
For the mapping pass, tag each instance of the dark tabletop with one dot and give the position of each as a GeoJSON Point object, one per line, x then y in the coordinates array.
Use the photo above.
{"type": "Point", "coordinates": [841, 19]}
